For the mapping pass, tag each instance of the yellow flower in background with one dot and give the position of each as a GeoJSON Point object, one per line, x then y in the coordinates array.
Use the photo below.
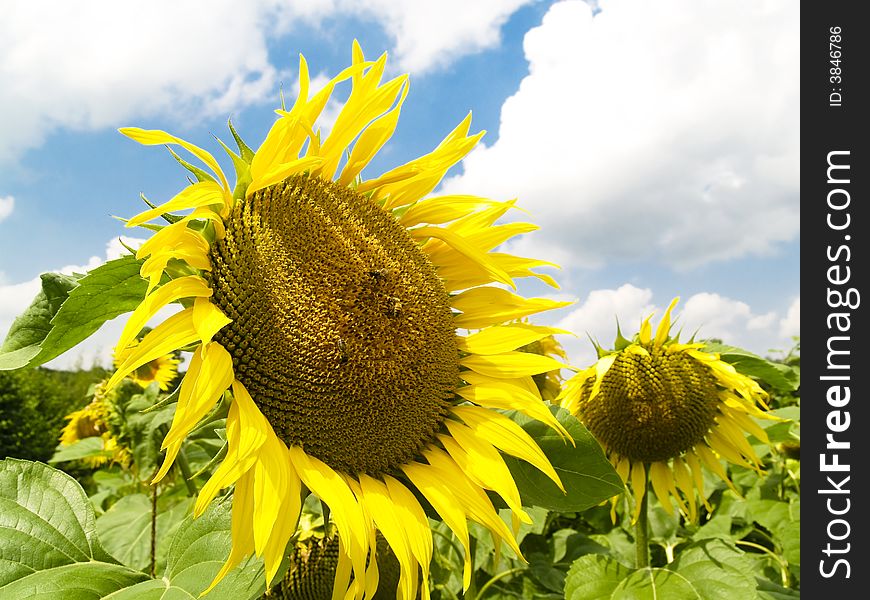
{"type": "Point", "coordinates": [662, 409]}
{"type": "Point", "coordinates": [354, 322]}
{"type": "Point", "coordinates": [549, 383]}
{"type": "Point", "coordinates": [94, 420]}
{"type": "Point", "coordinates": [162, 369]}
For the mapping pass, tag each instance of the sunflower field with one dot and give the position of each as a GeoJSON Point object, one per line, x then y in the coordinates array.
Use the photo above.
{"type": "Point", "coordinates": [352, 400]}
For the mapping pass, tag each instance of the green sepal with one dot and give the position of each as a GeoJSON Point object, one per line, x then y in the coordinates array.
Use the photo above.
{"type": "Point", "coordinates": [244, 151]}
{"type": "Point", "coordinates": [200, 175]}
{"type": "Point", "coordinates": [168, 217]}
{"type": "Point", "coordinates": [243, 171]}
{"type": "Point", "coordinates": [620, 343]}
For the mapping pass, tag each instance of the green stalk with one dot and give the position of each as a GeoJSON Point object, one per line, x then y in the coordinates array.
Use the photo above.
{"type": "Point", "coordinates": [186, 474]}
{"type": "Point", "coordinates": [641, 528]}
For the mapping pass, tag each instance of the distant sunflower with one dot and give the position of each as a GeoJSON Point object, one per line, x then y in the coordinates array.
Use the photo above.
{"type": "Point", "coordinates": [162, 369]}
{"type": "Point", "coordinates": [662, 409]}
{"type": "Point", "coordinates": [549, 383]}
{"type": "Point", "coordinates": [333, 307]}
{"type": "Point", "coordinates": [94, 420]}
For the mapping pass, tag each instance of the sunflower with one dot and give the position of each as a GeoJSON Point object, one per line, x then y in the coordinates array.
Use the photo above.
{"type": "Point", "coordinates": [662, 409]}
{"type": "Point", "coordinates": [95, 420]}
{"type": "Point", "coordinates": [354, 321]}
{"type": "Point", "coordinates": [550, 383]}
{"type": "Point", "coordinates": [162, 369]}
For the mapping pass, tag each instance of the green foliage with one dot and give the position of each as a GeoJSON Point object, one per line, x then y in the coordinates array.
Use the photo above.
{"type": "Point", "coordinates": [68, 309]}
{"type": "Point", "coordinates": [50, 547]}
{"type": "Point", "coordinates": [587, 475]}
{"type": "Point", "coordinates": [33, 404]}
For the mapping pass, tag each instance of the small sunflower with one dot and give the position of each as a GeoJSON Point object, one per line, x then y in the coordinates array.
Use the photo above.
{"type": "Point", "coordinates": [354, 322]}
{"type": "Point", "coordinates": [662, 409]}
{"type": "Point", "coordinates": [162, 369]}
{"type": "Point", "coordinates": [94, 420]}
{"type": "Point", "coordinates": [550, 383]}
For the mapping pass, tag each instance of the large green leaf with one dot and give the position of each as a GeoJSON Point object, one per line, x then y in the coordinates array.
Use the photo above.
{"type": "Point", "coordinates": [587, 475]}
{"type": "Point", "coordinates": [780, 377]}
{"type": "Point", "coordinates": [125, 530]}
{"type": "Point", "coordinates": [49, 547]}
{"type": "Point", "coordinates": [89, 447]}
{"type": "Point", "coordinates": [594, 577]}
{"type": "Point", "coordinates": [69, 309]}
{"type": "Point", "coordinates": [707, 570]}
{"type": "Point", "coordinates": [717, 570]}
{"type": "Point", "coordinates": [32, 326]}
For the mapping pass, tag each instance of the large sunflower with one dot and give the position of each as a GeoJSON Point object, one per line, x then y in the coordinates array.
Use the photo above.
{"type": "Point", "coordinates": [661, 409]}
{"type": "Point", "coordinates": [338, 311]}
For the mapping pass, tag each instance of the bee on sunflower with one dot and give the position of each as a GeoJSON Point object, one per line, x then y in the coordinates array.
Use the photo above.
{"type": "Point", "coordinates": [364, 328]}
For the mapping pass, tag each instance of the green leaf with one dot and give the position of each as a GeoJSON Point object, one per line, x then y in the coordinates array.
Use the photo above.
{"type": "Point", "coordinates": [90, 447]}
{"type": "Point", "coordinates": [653, 584]}
{"type": "Point", "coordinates": [125, 530]}
{"type": "Point", "coordinates": [717, 570]}
{"type": "Point", "coordinates": [49, 548]}
{"type": "Point", "coordinates": [586, 474]}
{"type": "Point", "coordinates": [780, 377]}
{"type": "Point", "coordinates": [594, 577]}
{"type": "Point", "coordinates": [67, 311]}
{"type": "Point", "coordinates": [32, 326]}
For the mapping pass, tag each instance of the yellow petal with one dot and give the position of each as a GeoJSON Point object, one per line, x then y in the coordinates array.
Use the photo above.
{"type": "Point", "coordinates": [414, 521]}
{"type": "Point", "coordinates": [665, 324]}
{"type": "Point", "coordinates": [495, 340]}
{"type": "Point", "coordinates": [184, 287]}
{"type": "Point", "coordinates": [638, 487]}
{"type": "Point", "coordinates": [197, 195]}
{"type": "Point", "coordinates": [507, 436]}
{"type": "Point", "coordinates": [506, 395]}
{"type": "Point", "coordinates": [151, 137]}
{"type": "Point", "coordinates": [483, 465]}
{"type": "Point", "coordinates": [468, 250]}
{"type": "Point", "coordinates": [439, 495]}
{"type": "Point", "coordinates": [331, 488]}
{"type": "Point", "coordinates": [378, 502]}
{"type": "Point", "coordinates": [208, 319]}
{"type": "Point", "coordinates": [485, 306]}
{"type": "Point", "coordinates": [511, 364]}
{"type": "Point", "coordinates": [247, 431]}
{"type": "Point", "coordinates": [175, 332]}
{"type": "Point", "coordinates": [241, 528]}
{"type": "Point", "coordinates": [663, 484]}
{"type": "Point", "coordinates": [443, 209]}
{"type": "Point", "coordinates": [200, 389]}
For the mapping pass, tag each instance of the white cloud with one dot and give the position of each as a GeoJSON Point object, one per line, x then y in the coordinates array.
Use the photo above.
{"type": "Point", "coordinates": [597, 316]}
{"type": "Point", "coordinates": [790, 325]}
{"type": "Point", "coordinates": [433, 34]}
{"type": "Point", "coordinates": [659, 131]}
{"type": "Point", "coordinates": [89, 65]}
{"type": "Point", "coordinates": [16, 297]}
{"type": "Point", "coordinates": [7, 205]}
{"type": "Point", "coordinates": [706, 314]}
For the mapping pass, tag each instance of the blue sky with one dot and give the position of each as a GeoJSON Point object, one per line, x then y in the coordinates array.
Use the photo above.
{"type": "Point", "coordinates": [656, 143]}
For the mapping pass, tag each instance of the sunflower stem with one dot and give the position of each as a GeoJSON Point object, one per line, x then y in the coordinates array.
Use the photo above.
{"type": "Point", "coordinates": [641, 528]}
{"type": "Point", "coordinates": [496, 578]}
{"type": "Point", "coordinates": [153, 565]}
{"type": "Point", "coordinates": [186, 474]}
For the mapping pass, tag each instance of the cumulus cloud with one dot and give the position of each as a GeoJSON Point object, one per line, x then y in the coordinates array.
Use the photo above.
{"type": "Point", "coordinates": [790, 325]}
{"type": "Point", "coordinates": [87, 65]}
{"type": "Point", "coordinates": [706, 314]}
{"type": "Point", "coordinates": [656, 131]}
{"type": "Point", "coordinates": [7, 205]}
{"type": "Point", "coordinates": [16, 297]}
